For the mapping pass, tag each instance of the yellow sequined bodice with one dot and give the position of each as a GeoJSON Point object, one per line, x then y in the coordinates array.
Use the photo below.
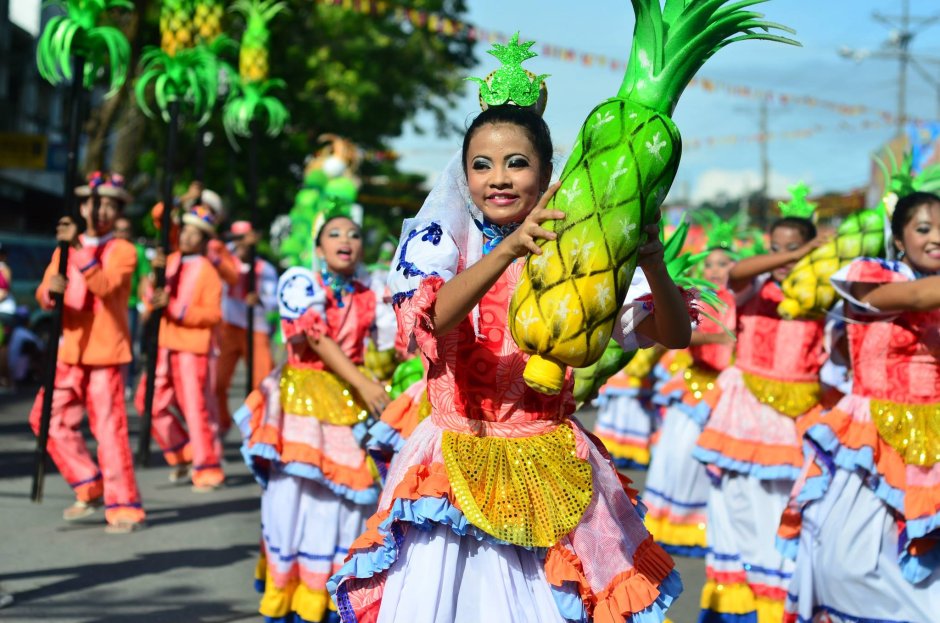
{"type": "Point", "coordinates": [788, 397]}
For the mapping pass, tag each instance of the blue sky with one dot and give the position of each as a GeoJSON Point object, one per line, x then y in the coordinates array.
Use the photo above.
{"type": "Point", "coordinates": [834, 159]}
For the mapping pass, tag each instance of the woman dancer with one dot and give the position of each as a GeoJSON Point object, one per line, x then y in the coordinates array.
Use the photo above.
{"type": "Point", "coordinates": [871, 493]}
{"type": "Point", "coordinates": [302, 427]}
{"type": "Point", "coordinates": [677, 485]}
{"type": "Point", "coordinates": [752, 440]}
{"type": "Point", "coordinates": [499, 499]}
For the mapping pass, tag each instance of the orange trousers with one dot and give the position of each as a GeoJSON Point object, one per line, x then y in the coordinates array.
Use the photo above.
{"type": "Point", "coordinates": [233, 345]}
{"type": "Point", "coordinates": [100, 392]}
{"type": "Point", "coordinates": [182, 383]}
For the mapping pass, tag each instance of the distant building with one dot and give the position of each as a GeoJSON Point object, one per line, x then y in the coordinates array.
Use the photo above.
{"type": "Point", "coordinates": [32, 125]}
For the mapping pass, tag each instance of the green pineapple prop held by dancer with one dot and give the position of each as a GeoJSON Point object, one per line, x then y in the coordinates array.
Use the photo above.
{"type": "Point", "coordinates": [622, 165]}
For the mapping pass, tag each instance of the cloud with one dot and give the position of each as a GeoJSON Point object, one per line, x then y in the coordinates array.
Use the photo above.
{"type": "Point", "coordinates": [714, 184]}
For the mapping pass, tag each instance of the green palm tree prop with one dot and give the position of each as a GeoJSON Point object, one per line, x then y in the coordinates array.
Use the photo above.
{"type": "Point", "coordinates": [179, 75]}
{"type": "Point", "coordinates": [178, 71]}
{"type": "Point", "coordinates": [248, 109]}
{"type": "Point", "coordinates": [250, 101]}
{"type": "Point", "coordinates": [77, 34]}
{"type": "Point", "coordinates": [74, 48]}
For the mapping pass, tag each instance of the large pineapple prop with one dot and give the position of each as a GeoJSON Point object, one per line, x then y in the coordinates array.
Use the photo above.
{"type": "Point", "coordinates": [176, 26]}
{"type": "Point", "coordinates": [807, 290]}
{"type": "Point", "coordinates": [253, 56]}
{"type": "Point", "coordinates": [249, 101]}
{"type": "Point", "coordinates": [179, 70]}
{"type": "Point", "coordinates": [620, 169]}
{"type": "Point", "coordinates": [207, 20]}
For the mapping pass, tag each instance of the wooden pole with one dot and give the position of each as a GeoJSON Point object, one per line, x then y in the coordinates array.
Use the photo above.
{"type": "Point", "coordinates": [52, 347]}
{"type": "Point", "coordinates": [252, 256]}
{"type": "Point", "coordinates": [153, 323]}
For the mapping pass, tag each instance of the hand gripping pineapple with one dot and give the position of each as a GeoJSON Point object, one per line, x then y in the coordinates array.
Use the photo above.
{"type": "Point", "coordinates": [679, 265]}
{"type": "Point", "coordinates": [807, 290]}
{"type": "Point", "coordinates": [620, 169]}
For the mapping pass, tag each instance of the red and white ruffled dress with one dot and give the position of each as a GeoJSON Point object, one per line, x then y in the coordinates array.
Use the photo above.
{"type": "Point", "coordinates": [499, 507]}
{"type": "Point", "coordinates": [867, 542]}
{"type": "Point", "coordinates": [752, 442]}
{"type": "Point", "coordinates": [676, 492]}
{"type": "Point", "coordinates": [301, 433]}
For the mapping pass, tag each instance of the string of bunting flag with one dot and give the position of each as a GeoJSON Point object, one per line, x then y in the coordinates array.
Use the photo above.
{"type": "Point", "coordinates": [734, 139]}
{"type": "Point", "coordinates": [447, 26]}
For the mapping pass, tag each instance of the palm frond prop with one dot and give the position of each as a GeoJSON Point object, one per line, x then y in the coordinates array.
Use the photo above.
{"type": "Point", "coordinates": [250, 100]}
{"type": "Point", "coordinates": [177, 71]}
{"type": "Point", "coordinates": [78, 33]}
{"type": "Point", "coordinates": [679, 265]}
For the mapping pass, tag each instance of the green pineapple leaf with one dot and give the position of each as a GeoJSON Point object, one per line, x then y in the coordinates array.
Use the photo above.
{"type": "Point", "coordinates": [673, 42]}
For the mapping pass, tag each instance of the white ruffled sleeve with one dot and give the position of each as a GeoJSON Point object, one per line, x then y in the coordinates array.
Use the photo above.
{"type": "Point", "coordinates": [426, 258]}
{"type": "Point", "coordinates": [872, 271]}
{"type": "Point", "coordinates": [301, 303]}
{"type": "Point", "coordinates": [637, 306]}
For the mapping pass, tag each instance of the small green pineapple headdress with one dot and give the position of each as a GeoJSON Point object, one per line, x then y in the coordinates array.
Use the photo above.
{"type": "Point", "coordinates": [799, 205]}
{"type": "Point", "coordinates": [719, 233]}
{"type": "Point", "coordinates": [900, 181]}
{"type": "Point", "coordinates": [511, 83]}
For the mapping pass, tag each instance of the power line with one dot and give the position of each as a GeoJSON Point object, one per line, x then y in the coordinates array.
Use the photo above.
{"type": "Point", "coordinates": [904, 28]}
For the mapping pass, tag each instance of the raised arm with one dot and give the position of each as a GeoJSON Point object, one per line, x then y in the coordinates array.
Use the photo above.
{"type": "Point", "coordinates": [459, 296]}
{"type": "Point", "coordinates": [669, 324]}
{"type": "Point", "coordinates": [744, 272]}
{"type": "Point", "coordinates": [920, 295]}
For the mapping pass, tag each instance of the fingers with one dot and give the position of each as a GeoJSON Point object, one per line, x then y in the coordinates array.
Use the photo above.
{"type": "Point", "coordinates": [549, 193]}
{"type": "Point", "coordinates": [653, 246]}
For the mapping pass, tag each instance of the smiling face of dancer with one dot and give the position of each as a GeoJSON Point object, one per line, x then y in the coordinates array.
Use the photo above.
{"type": "Point", "coordinates": [505, 175]}
{"type": "Point", "coordinates": [916, 227]}
{"type": "Point", "coordinates": [339, 245]}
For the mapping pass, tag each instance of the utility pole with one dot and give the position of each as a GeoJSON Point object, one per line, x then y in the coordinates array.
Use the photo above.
{"type": "Point", "coordinates": [764, 202]}
{"type": "Point", "coordinates": [904, 28]}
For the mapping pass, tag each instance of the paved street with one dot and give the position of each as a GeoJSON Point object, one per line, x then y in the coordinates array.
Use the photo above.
{"type": "Point", "coordinates": [194, 562]}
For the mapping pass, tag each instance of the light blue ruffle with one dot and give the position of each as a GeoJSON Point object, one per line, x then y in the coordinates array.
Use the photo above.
{"type": "Point", "coordinates": [761, 472]}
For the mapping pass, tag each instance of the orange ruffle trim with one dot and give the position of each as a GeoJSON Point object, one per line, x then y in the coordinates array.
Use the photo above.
{"type": "Point", "coordinates": [750, 452]}
{"type": "Point", "coordinates": [855, 435]}
{"type": "Point", "coordinates": [626, 594]}
{"type": "Point", "coordinates": [403, 414]}
{"type": "Point", "coordinates": [356, 478]}
{"type": "Point", "coordinates": [420, 481]}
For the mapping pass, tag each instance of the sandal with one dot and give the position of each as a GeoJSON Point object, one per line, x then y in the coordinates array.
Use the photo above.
{"type": "Point", "coordinates": [81, 509]}
{"type": "Point", "coordinates": [179, 472]}
{"type": "Point", "coordinates": [123, 526]}
{"type": "Point", "coordinates": [207, 488]}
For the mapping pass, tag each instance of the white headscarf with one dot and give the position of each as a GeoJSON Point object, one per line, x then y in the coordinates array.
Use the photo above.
{"type": "Point", "coordinates": [450, 207]}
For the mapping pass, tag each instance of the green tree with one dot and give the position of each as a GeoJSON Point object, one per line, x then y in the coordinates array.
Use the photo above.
{"type": "Point", "coordinates": [361, 76]}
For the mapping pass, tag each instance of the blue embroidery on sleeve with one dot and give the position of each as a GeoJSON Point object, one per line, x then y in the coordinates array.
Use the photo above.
{"type": "Point", "coordinates": [432, 233]}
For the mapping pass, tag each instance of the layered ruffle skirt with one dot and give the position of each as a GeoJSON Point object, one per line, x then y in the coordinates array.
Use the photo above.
{"type": "Point", "coordinates": [504, 522]}
{"type": "Point", "coordinates": [864, 519]}
{"type": "Point", "coordinates": [302, 430]}
{"type": "Point", "coordinates": [754, 452]}
{"type": "Point", "coordinates": [676, 493]}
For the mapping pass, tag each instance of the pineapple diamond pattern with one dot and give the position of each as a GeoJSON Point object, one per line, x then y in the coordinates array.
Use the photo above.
{"type": "Point", "coordinates": [621, 166]}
